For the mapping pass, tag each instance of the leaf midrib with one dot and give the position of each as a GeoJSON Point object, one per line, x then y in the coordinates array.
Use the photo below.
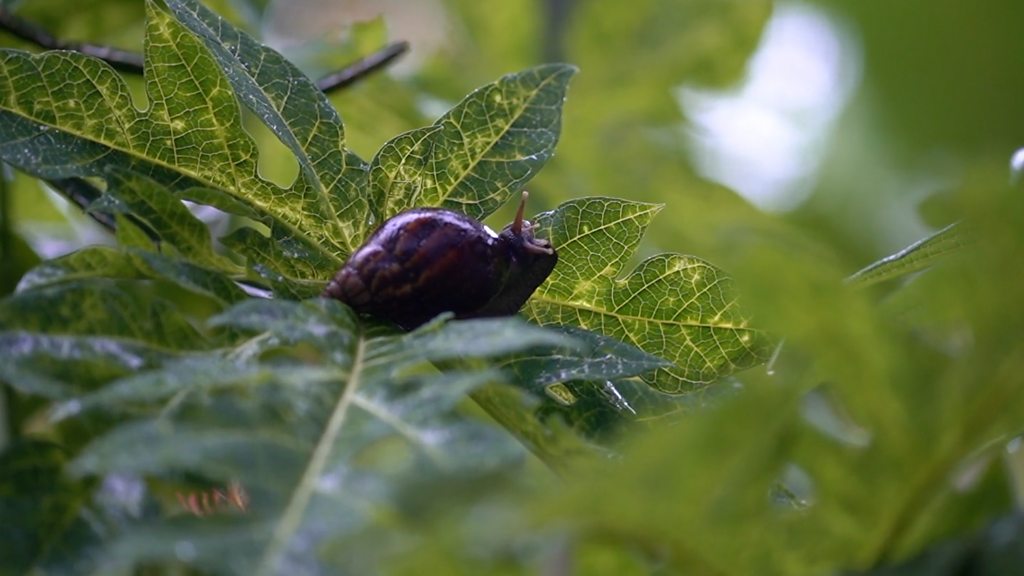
{"type": "Point", "coordinates": [299, 502]}
{"type": "Point", "coordinates": [504, 130]}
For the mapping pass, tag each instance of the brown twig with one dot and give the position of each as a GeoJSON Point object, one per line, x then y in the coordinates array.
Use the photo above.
{"type": "Point", "coordinates": [19, 27]}
{"type": "Point", "coordinates": [133, 63]}
{"type": "Point", "coordinates": [362, 68]}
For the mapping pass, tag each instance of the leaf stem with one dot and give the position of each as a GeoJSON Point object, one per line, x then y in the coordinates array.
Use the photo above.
{"type": "Point", "coordinates": [299, 502]}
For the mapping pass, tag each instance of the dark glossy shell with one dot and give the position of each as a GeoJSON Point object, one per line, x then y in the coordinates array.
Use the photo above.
{"type": "Point", "coordinates": [418, 264]}
{"type": "Point", "coordinates": [426, 261]}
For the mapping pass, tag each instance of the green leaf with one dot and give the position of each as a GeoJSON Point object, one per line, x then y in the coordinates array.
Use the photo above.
{"type": "Point", "coordinates": [191, 141]}
{"type": "Point", "coordinates": [995, 550]}
{"type": "Point", "coordinates": [440, 341]}
{"type": "Point", "coordinates": [913, 258]}
{"type": "Point", "coordinates": [94, 262]}
{"type": "Point", "coordinates": [105, 262]}
{"type": "Point", "coordinates": [55, 366]}
{"type": "Point", "coordinates": [98, 308]}
{"type": "Point", "coordinates": [187, 275]}
{"type": "Point", "coordinates": [677, 307]}
{"type": "Point", "coordinates": [195, 375]}
{"type": "Point", "coordinates": [287, 264]}
{"type": "Point", "coordinates": [577, 382]}
{"type": "Point", "coordinates": [480, 152]}
{"type": "Point", "coordinates": [129, 234]}
{"type": "Point", "coordinates": [222, 201]}
{"type": "Point", "coordinates": [17, 254]}
{"type": "Point", "coordinates": [292, 410]}
{"type": "Point", "coordinates": [697, 41]}
{"type": "Point", "coordinates": [332, 178]}
{"type": "Point", "coordinates": [44, 524]}
{"type": "Point", "coordinates": [402, 170]}
{"type": "Point", "coordinates": [593, 356]}
{"type": "Point", "coordinates": [176, 226]}
{"type": "Point", "coordinates": [75, 108]}
{"type": "Point", "coordinates": [606, 411]}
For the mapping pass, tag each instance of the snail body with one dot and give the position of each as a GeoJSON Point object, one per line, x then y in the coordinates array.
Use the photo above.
{"type": "Point", "coordinates": [426, 261]}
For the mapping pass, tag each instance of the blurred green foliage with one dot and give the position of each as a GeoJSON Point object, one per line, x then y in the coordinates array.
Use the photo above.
{"type": "Point", "coordinates": [876, 440]}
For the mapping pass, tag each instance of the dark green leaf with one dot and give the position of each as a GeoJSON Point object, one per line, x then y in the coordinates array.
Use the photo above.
{"type": "Point", "coordinates": [293, 268]}
{"type": "Point", "coordinates": [104, 262]}
{"type": "Point", "coordinates": [45, 527]}
{"type": "Point", "coordinates": [98, 308]}
{"type": "Point", "coordinates": [174, 224]}
{"type": "Point", "coordinates": [290, 410]}
{"type": "Point", "coordinates": [129, 233]}
{"type": "Point", "coordinates": [58, 366]}
{"type": "Point", "coordinates": [592, 356]}
{"type": "Point", "coordinates": [995, 551]}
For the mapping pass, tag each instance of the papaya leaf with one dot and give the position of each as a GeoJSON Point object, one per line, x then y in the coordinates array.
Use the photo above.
{"type": "Point", "coordinates": [291, 411]}
{"type": "Point", "coordinates": [197, 375]}
{"type": "Point", "coordinates": [589, 389]}
{"type": "Point", "coordinates": [59, 367]}
{"type": "Point", "coordinates": [400, 172]}
{"type": "Point", "coordinates": [103, 262]}
{"type": "Point", "coordinates": [913, 258]}
{"type": "Point", "coordinates": [480, 152]}
{"type": "Point", "coordinates": [291, 267]}
{"type": "Point", "coordinates": [296, 111]}
{"type": "Point", "coordinates": [190, 139]}
{"type": "Point", "coordinates": [66, 106]}
{"type": "Point", "coordinates": [44, 521]}
{"type": "Point", "coordinates": [163, 213]}
{"type": "Point", "coordinates": [97, 261]}
{"type": "Point", "coordinates": [605, 358]}
{"type": "Point", "coordinates": [997, 549]}
{"type": "Point", "coordinates": [99, 307]}
{"type": "Point", "coordinates": [680, 308]}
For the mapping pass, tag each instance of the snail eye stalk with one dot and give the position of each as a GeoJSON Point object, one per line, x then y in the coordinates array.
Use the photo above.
{"type": "Point", "coordinates": [517, 224]}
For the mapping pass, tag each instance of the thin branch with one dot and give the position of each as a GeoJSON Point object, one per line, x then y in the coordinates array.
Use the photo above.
{"type": "Point", "coordinates": [557, 14]}
{"type": "Point", "coordinates": [121, 59]}
{"type": "Point", "coordinates": [132, 62]}
{"type": "Point", "coordinates": [362, 68]}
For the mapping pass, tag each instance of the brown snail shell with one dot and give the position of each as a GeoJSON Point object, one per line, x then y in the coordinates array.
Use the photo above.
{"type": "Point", "coordinates": [426, 261]}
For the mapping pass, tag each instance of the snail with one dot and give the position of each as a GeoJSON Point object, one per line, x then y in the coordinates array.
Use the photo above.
{"type": "Point", "coordinates": [426, 261]}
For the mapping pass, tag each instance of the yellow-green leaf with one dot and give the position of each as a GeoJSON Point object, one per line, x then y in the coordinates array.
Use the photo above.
{"type": "Point", "coordinates": [680, 308]}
